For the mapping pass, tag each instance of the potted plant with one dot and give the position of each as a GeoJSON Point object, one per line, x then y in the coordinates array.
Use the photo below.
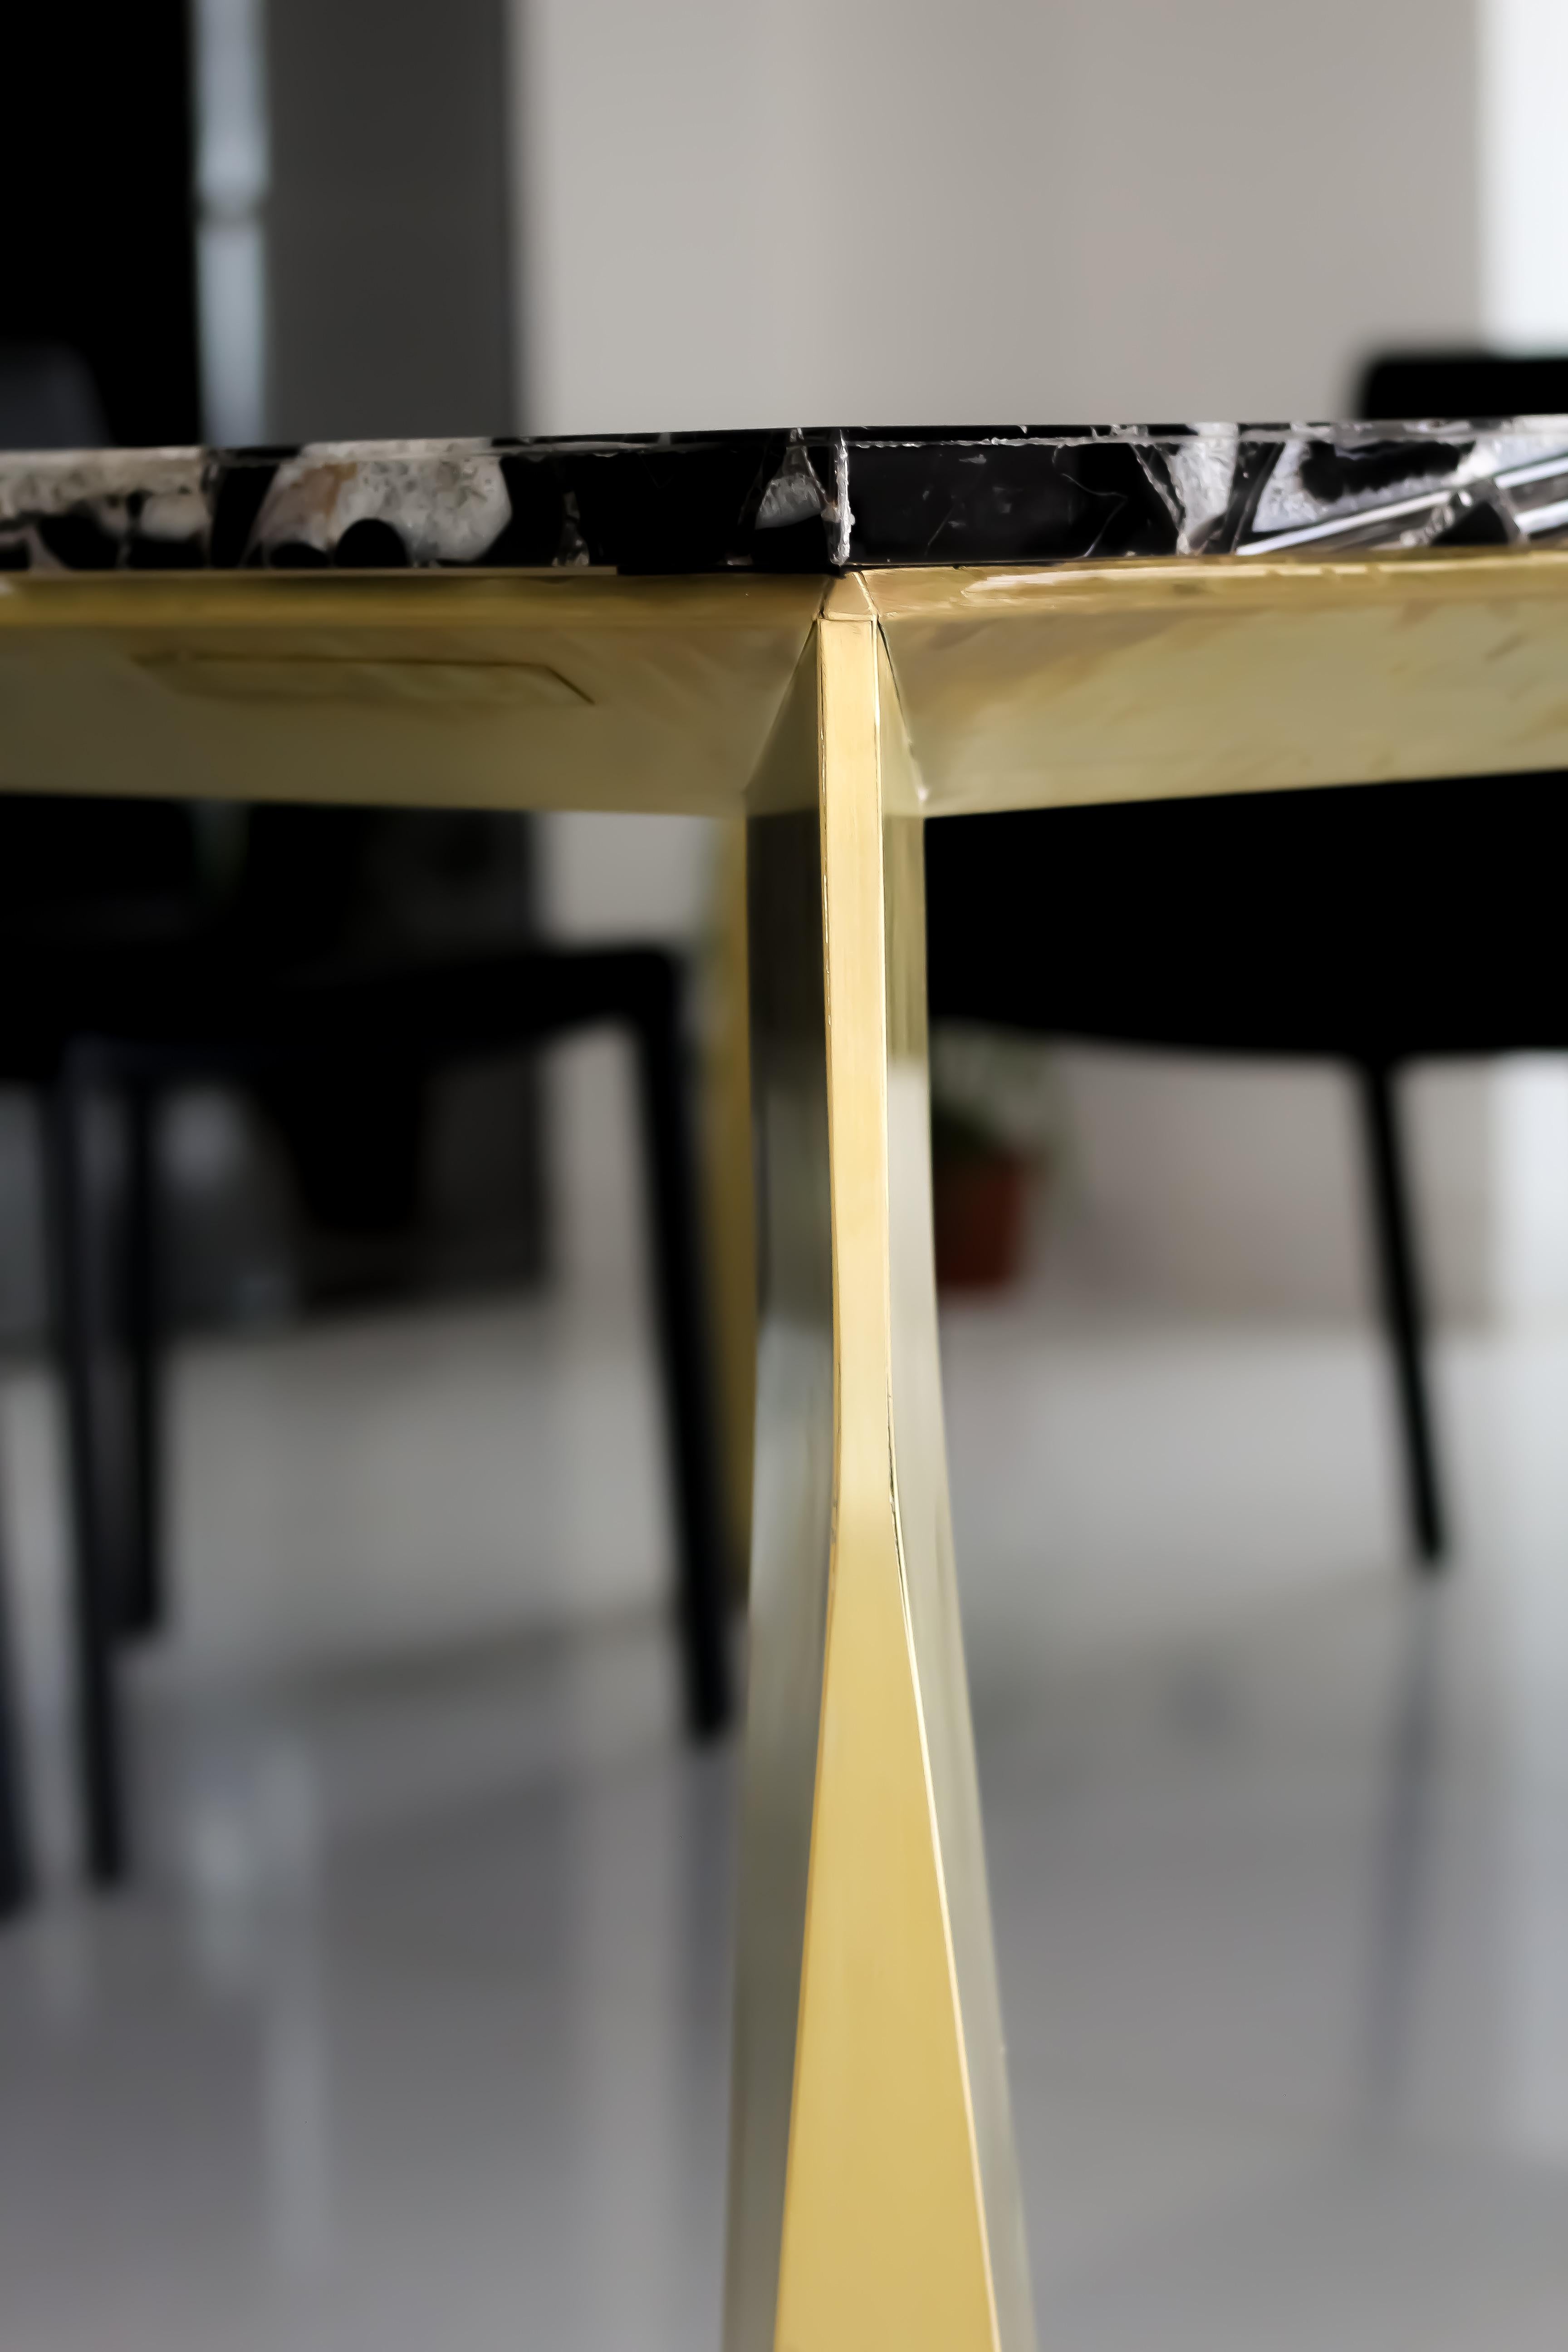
{"type": "Point", "coordinates": [994, 1127]}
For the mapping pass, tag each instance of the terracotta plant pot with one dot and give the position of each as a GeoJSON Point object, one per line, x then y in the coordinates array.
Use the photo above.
{"type": "Point", "coordinates": [979, 1202]}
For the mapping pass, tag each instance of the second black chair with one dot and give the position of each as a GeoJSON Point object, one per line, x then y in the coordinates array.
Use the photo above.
{"type": "Point", "coordinates": [1370, 925]}
{"type": "Point", "coordinates": [411, 1018]}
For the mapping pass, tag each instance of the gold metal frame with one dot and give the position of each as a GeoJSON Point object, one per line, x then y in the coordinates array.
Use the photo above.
{"type": "Point", "coordinates": [873, 2192]}
{"type": "Point", "coordinates": [873, 2195]}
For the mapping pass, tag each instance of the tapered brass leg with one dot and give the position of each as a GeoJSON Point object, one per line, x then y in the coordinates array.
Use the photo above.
{"type": "Point", "coordinates": [873, 2192]}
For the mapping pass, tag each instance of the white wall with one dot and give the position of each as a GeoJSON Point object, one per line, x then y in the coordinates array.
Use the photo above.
{"type": "Point", "coordinates": [1523, 60]}
{"type": "Point", "coordinates": [743, 210]}
{"type": "Point", "coordinates": [606, 879]}
{"type": "Point", "coordinates": [736, 211]}
{"type": "Point", "coordinates": [1198, 1185]}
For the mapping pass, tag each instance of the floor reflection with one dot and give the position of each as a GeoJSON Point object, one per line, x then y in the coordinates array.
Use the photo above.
{"type": "Point", "coordinates": [417, 2032]}
{"type": "Point", "coordinates": [1404, 1830]}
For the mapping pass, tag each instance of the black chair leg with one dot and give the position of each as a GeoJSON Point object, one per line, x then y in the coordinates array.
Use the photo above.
{"type": "Point", "coordinates": [143, 1599]}
{"type": "Point", "coordinates": [16, 1870]}
{"type": "Point", "coordinates": [1404, 1317]}
{"type": "Point", "coordinates": [677, 1274]}
{"type": "Point", "coordinates": [96, 1601]}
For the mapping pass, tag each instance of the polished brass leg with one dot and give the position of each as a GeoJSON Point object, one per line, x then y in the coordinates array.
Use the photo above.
{"type": "Point", "coordinates": [873, 2192]}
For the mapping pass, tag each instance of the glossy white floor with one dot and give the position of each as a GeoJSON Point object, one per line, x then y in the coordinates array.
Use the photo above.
{"type": "Point", "coordinates": [416, 2033]}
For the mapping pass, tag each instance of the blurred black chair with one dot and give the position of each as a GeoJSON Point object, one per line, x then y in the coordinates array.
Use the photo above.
{"type": "Point", "coordinates": [114, 928]}
{"type": "Point", "coordinates": [101, 906]}
{"type": "Point", "coordinates": [132, 923]}
{"type": "Point", "coordinates": [1439, 383]}
{"type": "Point", "coordinates": [1370, 925]}
{"type": "Point", "coordinates": [138, 880]}
{"type": "Point", "coordinates": [325, 890]}
{"type": "Point", "coordinates": [391, 1024]}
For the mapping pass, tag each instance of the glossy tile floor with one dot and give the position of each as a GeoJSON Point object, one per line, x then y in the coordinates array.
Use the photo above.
{"type": "Point", "coordinates": [416, 2034]}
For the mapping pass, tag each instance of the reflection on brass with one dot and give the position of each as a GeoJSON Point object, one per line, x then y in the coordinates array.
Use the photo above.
{"type": "Point", "coordinates": [1081, 682]}
{"type": "Point", "coordinates": [445, 685]}
{"type": "Point", "coordinates": [1135, 681]}
{"type": "Point", "coordinates": [728, 1189]}
{"type": "Point", "coordinates": [873, 2198]}
{"type": "Point", "coordinates": [791, 1537]}
{"type": "Point", "coordinates": [562, 691]}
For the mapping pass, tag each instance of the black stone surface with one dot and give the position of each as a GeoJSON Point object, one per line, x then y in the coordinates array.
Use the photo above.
{"type": "Point", "coordinates": [811, 501]}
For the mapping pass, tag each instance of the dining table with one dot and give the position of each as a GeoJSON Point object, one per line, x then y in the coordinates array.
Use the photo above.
{"type": "Point", "coordinates": [838, 635]}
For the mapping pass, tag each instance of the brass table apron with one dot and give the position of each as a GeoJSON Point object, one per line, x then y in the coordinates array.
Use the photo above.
{"type": "Point", "coordinates": [873, 2193]}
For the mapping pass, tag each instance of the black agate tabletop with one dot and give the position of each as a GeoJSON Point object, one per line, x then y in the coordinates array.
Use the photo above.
{"type": "Point", "coordinates": [809, 501]}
